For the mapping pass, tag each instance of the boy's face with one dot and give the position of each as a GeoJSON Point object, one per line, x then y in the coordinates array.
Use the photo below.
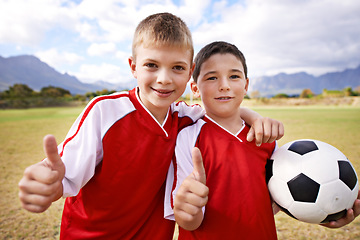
{"type": "Point", "coordinates": [162, 74]}
{"type": "Point", "coordinates": [221, 85]}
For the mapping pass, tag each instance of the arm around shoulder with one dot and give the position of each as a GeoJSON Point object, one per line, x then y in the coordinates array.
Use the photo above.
{"type": "Point", "coordinates": [263, 129]}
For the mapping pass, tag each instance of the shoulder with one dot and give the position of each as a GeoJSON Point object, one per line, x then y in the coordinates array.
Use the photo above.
{"type": "Point", "coordinates": [114, 97]}
{"type": "Point", "coordinates": [184, 110]}
{"type": "Point", "coordinates": [190, 133]}
{"type": "Point", "coordinates": [267, 147]}
{"type": "Point", "coordinates": [117, 102]}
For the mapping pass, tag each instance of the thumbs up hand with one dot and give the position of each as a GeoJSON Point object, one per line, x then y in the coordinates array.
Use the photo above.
{"type": "Point", "coordinates": [42, 182]}
{"type": "Point", "coordinates": [192, 195]}
{"type": "Point", "coordinates": [199, 170]}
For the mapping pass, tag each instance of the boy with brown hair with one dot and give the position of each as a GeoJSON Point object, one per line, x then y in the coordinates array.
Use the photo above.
{"type": "Point", "coordinates": [220, 192]}
{"type": "Point", "coordinates": [118, 151]}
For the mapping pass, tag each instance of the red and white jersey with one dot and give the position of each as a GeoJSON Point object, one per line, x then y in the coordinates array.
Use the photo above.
{"type": "Point", "coordinates": [116, 157]}
{"type": "Point", "coordinates": [239, 205]}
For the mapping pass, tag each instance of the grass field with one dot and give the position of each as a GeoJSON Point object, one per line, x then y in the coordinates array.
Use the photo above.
{"type": "Point", "coordinates": [21, 145]}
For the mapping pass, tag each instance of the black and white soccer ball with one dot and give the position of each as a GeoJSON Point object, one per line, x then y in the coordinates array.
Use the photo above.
{"type": "Point", "coordinates": [312, 181]}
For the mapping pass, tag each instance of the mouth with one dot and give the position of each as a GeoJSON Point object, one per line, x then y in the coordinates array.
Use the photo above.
{"type": "Point", "coordinates": [162, 92]}
{"type": "Point", "coordinates": [223, 98]}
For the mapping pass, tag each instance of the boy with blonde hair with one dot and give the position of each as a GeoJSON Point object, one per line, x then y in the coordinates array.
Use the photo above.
{"type": "Point", "coordinates": [118, 151]}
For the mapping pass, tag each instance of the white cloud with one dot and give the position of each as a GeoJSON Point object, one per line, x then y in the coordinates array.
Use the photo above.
{"type": "Point", "coordinates": [106, 21]}
{"type": "Point", "coordinates": [26, 22]}
{"type": "Point", "coordinates": [123, 56]}
{"type": "Point", "coordinates": [91, 73]}
{"type": "Point", "coordinates": [87, 31]}
{"type": "Point", "coordinates": [115, 21]}
{"type": "Point", "coordinates": [277, 35]}
{"type": "Point", "coordinates": [100, 49]}
{"type": "Point", "coordinates": [58, 60]}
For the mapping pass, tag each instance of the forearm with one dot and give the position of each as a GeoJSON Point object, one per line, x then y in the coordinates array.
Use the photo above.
{"type": "Point", "coordinates": [249, 116]}
{"type": "Point", "coordinates": [263, 129]}
{"type": "Point", "coordinates": [275, 208]}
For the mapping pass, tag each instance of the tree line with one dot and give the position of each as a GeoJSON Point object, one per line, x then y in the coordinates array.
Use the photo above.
{"type": "Point", "coordinates": [307, 93]}
{"type": "Point", "coordinates": [22, 96]}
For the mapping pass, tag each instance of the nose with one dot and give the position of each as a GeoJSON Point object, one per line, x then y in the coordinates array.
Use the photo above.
{"type": "Point", "coordinates": [163, 77]}
{"type": "Point", "coordinates": [224, 85]}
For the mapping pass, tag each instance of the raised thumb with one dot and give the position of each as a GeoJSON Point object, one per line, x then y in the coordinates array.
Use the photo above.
{"type": "Point", "coordinates": [53, 158]}
{"type": "Point", "coordinates": [199, 170]}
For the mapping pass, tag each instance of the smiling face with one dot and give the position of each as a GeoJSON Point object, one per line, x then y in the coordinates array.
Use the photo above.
{"type": "Point", "coordinates": [222, 86]}
{"type": "Point", "coordinates": [162, 73]}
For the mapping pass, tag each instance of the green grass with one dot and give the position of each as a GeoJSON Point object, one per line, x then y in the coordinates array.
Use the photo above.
{"type": "Point", "coordinates": [338, 126]}
{"type": "Point", "coordinates": [21, 145]}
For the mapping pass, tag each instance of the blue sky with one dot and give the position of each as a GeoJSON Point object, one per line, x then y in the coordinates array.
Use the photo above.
{"type": "Point", "coordinates": [91, 39]}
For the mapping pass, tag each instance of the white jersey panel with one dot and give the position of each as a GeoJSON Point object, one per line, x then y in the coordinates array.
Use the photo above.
{"type": "Point", "coordinates": [194, 112]}
{"type": "Point", "coordinates": [82, 149]}
{"type": "Point", "coordinates": [184, 166]}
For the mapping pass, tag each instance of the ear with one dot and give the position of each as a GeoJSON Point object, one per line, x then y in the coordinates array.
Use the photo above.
{"type": "Point", "coordinates": [191, 70]}
{"type": "Point", "coordinates": [132, 65]}
{"type": "Point", "coordinates": [246, 85]}
{"type": "Point", "coordinates": [195, 89]}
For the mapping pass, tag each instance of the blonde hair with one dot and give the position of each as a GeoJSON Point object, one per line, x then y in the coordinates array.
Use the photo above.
{"type": "Point", "coordinates": [163, 29]}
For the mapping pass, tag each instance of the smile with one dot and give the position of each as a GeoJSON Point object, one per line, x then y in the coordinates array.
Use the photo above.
{"type": "Point", "coordinates": [224, 98]}
{"type": "Point", "coordinates": [162, 92]}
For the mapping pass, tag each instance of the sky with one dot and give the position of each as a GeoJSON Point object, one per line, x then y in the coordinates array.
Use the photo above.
{"type": "Point", "coordinates": [91, 39]}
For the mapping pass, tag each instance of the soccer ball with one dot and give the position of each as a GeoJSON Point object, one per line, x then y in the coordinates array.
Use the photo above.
{"type": "Point", "coordinates": [312, 181]}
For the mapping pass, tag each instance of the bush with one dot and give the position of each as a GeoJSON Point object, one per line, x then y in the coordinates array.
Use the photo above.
{"type": "Point", "coordinates": [306, 93]}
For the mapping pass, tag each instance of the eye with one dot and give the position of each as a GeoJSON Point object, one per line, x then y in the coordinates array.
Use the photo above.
{"type": "Point", "coordinates": [235, 76]}
{"type": "Point", "coordinates": [179, 68]}
{"type": "Point", "coordinates": [150, 65]}
{"type": "Point", "coordinates": [211, 78]}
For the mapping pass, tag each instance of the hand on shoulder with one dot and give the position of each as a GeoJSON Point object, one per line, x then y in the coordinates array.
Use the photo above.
{"type": "Point", "coordinates": [265, 130]}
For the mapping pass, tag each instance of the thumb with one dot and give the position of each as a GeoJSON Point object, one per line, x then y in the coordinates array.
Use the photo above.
{"type": "Point", "coordinates": [199, 170]}
{"type": "Point", "coordinates": [53, 158]}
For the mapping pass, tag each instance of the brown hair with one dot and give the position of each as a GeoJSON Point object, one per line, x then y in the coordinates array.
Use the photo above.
{"type": "Point", "coordinates": [213, 48]}
{"type": "Point", "coordinates": [163, 29]}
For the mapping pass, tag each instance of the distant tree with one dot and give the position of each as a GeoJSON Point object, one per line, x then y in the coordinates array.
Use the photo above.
{"type": "Point", "coordinates": [357, 90]}
{"type": "Point", "coordinates": [79, 97]}
{"type": "Point", "coordinates": [51, 91]}
{"type": "Point", "coordinates": [306, 93]}
{"type": "Point", "coordinates": [349, 92]}
{"type": "Point", "coordinates": [18, 91]}
{"type": "Point", "coordinates": [104, 92]}
{"type": "Point", "coordinates": [333, 93]}
{"type": "Point", "coordinates": [281, 95]}
{"type": "Point", "coordinates": [91, 95]}
{"type": "Point", "coordinates": [255, 94]}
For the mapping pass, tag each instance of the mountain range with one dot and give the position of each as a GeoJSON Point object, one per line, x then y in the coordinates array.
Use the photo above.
{"type": "Point", "coordinates": [29, 70]}
{"type": "Point", "coordinates": [294, 84]}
